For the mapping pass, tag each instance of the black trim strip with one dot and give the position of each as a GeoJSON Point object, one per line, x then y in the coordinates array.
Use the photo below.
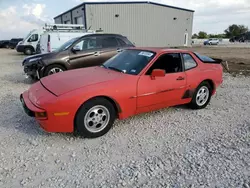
{"type": "Point", "coordinates": [153, 93]}
{"type": "Point", "coordinates": [26, 109]}
{"type": "Point", "coordinates": [188, 94]}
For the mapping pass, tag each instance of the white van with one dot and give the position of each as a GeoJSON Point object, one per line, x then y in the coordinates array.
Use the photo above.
{"type": "Point", "coordinates": [51, 41]}
{"type": "Point", "coordinates": [52, 32]}
{"type": "Point", "coordinates": [28, 45]}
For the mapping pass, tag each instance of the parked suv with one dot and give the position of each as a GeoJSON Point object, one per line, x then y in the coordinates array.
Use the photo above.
{"type": "Point", "coordinates": [13, 42]}
{"type": "Point", "coordinates": [211, 42]}
{"type": "Point", "coordinates": [86, 51]}
{"type": "Point", "coordinates": [4, 43]}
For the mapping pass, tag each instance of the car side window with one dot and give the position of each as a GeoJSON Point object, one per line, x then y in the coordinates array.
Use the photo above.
{"type": "Point", "coordinates": [189, 62]}
{"type": "Point", "coordinates": [109, 42]}
{"type": "Point", "coordinates": [170, 62]}
{"type": "Point", "coordinates": [122, 43]}
{"type": "Point", "coordinates": [33, 38]}
{"type": "Point", "coordinates": [89, 43]}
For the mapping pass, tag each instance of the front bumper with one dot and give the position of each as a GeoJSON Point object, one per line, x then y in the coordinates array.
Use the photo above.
{"type": "Point", "coordinates": [20, 48]}
{"type": "Point", "coordinates": [33, 69]}
{"type": "Point", "coordinates": [52, 124]}
{"type": "Point", "coordinates": [30, 109]}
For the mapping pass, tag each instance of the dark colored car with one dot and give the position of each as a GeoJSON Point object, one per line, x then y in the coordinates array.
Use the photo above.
{"type": "Point", "coordinates": [86, 51]}
{"type": "Point", "coordinates": [4, 43]}
{"type": "Point", "coordinates": [13, 42]}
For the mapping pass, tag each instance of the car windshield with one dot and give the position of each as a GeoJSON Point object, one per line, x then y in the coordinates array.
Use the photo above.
{"type": "Point", "coordinates": [129, 61]}
{"type": "Point", "coordinates": [25, 38]}
{"type": "Point", "coordinates": [203, 57]}
{"type": "Point", "coordinates": [67, 44]}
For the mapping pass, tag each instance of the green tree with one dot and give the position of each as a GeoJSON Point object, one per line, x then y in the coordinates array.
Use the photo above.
{"type": "Point", "coordinates": [202, 35]}
{"type": "Point", "coordinates": [195, 36]}
{"type": "Point", "coordinates": [216, 36]}
{"type": "Point", "coordinates": [235, 30]}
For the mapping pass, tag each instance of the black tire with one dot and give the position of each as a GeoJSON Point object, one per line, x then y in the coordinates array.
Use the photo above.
{"type": "Point", "coordinates": [7, 46]}
{"type": "Point", "coordinates": [50, 67]}
{"type": "Point", "coordinates": [28, 51]}
{"type": "Point", "coordinates": [193, 104]}
{"type": "Point", "coordinates": [81, 127]}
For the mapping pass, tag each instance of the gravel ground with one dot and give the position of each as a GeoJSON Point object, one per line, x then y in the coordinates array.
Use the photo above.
{"type": "Point", "coordinates": [174, 147]}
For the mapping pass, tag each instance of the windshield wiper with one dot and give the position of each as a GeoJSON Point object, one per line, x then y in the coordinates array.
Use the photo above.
{"type": "Point", "coordinates": [116, 69]}
{"type": "Point", "coordinates": [104, 66]}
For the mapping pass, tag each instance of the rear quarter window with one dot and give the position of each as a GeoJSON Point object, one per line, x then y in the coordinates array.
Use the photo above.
{"type": "Point", "coordinates": [189, 62]}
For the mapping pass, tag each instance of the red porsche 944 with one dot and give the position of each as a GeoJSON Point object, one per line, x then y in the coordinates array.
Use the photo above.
{"type": "Point", "coordinates": [137, 80]}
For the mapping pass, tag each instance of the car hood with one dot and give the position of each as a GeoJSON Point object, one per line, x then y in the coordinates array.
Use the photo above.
{"type": "Point", "coordinates": [64, 82]}
{"type": "Point", "coordinates": [40, 55]}
{"type": "Point", "coordinates": [44, 56]}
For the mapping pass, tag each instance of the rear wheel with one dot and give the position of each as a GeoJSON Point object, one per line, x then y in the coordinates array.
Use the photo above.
{"type": "Point", "coordinates": [95, 118]}
{"type": "Point", "coordinates": [202, 96]}
{"type": "Point", "coordinates": [53, 69]}
{"type": "Point", "coordinates": [28, 51]}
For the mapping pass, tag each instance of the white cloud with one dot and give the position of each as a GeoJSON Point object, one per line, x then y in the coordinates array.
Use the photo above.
{"type": "Point", "coordinates": [34, 9]}
{"type": "Point", "coordinates": [19, 23]}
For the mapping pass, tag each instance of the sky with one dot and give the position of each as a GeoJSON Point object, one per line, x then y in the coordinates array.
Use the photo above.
{"type": "Point", "coordinates": [18, 17]}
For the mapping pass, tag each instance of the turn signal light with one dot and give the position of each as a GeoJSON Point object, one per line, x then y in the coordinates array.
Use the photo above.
{"type": "Point", "coordinates": [41, 115]}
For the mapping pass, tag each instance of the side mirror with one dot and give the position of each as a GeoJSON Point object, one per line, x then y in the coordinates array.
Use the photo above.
{"type": "Point", "coordinates": [76, 49]}
{"type": "Point", "coordinates": [157, 73]}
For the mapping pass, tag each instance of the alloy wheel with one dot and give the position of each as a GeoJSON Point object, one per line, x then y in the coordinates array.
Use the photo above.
{"type": "Point", "coordinates": [96, 119]}
{"type": "Point", "coordinates": [202, 96]}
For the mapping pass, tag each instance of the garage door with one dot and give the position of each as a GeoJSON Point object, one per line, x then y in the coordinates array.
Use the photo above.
{"type": "Point", "coordinates": [79, 20]}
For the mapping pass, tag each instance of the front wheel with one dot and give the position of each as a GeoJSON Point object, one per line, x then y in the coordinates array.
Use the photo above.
{"type": "Point", "coordinates": [95, 118]}
{"type": "Point", "coordinates": [28, 51]}
{"type": "Point", "coordinates": [53, 69]}
{"type": "Point", "coordinates": [202, 96]}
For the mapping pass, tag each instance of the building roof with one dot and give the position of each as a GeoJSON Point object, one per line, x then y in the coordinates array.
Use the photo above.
{"type": "Point", "coordinates": [124, 2]}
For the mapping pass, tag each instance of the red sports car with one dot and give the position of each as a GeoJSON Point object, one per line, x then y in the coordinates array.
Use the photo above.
{"type": "Point", "coordinates": [137, 80]}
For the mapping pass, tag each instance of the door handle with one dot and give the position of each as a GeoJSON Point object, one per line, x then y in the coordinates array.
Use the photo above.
{"type": "Point", "coordinates": [97, 53]}
{"type": "Point", "coordinates": [180, 78]}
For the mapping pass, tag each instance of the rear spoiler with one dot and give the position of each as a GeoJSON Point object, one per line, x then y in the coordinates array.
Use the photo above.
{"type": "Point", "coordinates": [217, 61]}
{"type": "Point", "coordinates": [220, 61]}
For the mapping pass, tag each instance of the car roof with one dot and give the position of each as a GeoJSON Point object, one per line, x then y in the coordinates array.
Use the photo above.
{"type": "Point", "coordinates": [160, 49]}
{"type": "Point", "coordinates": [103, 34]}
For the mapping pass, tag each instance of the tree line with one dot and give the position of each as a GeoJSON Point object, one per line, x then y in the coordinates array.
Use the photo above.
{"type": "Point", "coordinates": [231, 31]}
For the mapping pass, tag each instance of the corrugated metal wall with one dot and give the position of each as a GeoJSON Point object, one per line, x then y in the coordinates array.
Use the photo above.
{"type": "Point", "coordinates": [58, 20]}
{"type": "Point", "coordinates": [144, 24]}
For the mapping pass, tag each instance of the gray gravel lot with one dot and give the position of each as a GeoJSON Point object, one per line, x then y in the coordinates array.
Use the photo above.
{"type": "Point", "coordinates": [174, 147]}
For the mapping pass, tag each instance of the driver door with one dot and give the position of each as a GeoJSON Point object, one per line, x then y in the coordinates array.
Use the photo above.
{"type": "Point", "coordinates": [162, 91]}
{"type": "Point", "coordinates": [33, 39]}
{"type": "Point", "coordinates": [86, 53]}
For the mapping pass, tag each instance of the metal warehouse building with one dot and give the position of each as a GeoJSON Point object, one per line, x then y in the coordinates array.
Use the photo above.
{"type": "Point", "coordinates": [147, 24]}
